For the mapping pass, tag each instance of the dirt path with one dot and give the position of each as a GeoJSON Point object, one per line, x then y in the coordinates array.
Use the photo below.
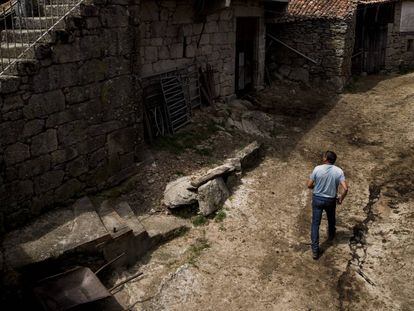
{"type": "Point", "coordinates": [259, 257]}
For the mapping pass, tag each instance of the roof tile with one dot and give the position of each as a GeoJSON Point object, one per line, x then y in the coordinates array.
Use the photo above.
{"type": "Point", "coordinates": [335, 9]}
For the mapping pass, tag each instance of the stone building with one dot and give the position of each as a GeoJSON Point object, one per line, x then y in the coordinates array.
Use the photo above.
{"type": "Point", "coordinates": [71, 106]}
{"type": "Point", "coordinates": [172, 36]}
{"type": "Point", "coordinates": [340, 38]}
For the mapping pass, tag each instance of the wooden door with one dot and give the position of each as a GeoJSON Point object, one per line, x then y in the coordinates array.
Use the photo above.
{"type": "Point", "coordinates": [246, 53]}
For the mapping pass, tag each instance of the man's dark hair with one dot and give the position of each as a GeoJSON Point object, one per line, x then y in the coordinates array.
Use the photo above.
{"type": "Point", "coordinates": [330, 156]}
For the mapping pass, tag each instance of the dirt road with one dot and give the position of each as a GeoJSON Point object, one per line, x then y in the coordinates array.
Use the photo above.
{"type": "Point", "coordinates": [258, 257]}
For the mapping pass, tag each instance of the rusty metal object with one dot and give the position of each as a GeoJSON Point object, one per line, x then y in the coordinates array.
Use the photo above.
{"type": "Point", "coordinates": [70, 289]}
{"type": "Point", "coordinates": [126, 281]}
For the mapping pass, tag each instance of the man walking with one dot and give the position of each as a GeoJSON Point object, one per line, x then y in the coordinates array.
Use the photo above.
{"type": "Point", "coordinates": [325, 180]}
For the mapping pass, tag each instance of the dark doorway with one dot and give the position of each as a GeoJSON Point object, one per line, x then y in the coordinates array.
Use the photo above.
{"type": "Point", "coordinates": [371, 37]}
{"type": "Point", "coordinates": [246, 53]}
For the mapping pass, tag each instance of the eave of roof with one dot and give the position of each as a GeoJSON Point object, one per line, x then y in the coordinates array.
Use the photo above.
{"type": "Point", "coordinates": [298, 10]}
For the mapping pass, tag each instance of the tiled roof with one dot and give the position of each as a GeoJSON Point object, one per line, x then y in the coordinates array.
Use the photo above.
{"type": "Point", "coordinates": [375, 1]}
{"type": "Point", "coordinates": [320, 8]}
{"type": "Point", "coordinates": [328, 9]}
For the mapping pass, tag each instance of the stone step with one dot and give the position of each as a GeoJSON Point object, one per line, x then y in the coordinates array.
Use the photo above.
{"type": "Point", "coordinates": [125, 212]}
{"type": "Point", "coordinates": [60, 2]}
{"type": "Point", "coordinates": [128, 234]}
{"type": "Point", "coordinates": [162, 228]}
{"type": "Point", "coordinates": [24, 35]}
{"type": "Point", "coordinates": [19, 66]}
{"type": "Point", "coordinates": [113, 223]}
{"type": "Point", "coordinates": [14, 49]}
{"type": "Point", "coordinates": [60, 9]}
{"type": "Point", "coordinates": [58, 232]}
{"type": "Point", "coordinates": [43, 22]}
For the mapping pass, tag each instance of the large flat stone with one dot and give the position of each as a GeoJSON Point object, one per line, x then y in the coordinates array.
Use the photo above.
{"type": "Point", "coordinates": [126, 213]}
{"type": "Point", "coordinates": [212, 195]}
{"type": "Point", "coordinates": [213, 173]}
{"type": "Point", "coordinates": [161, 228]}
{"type": "Point", "coordinates": [249, 155]}
{"type": "Point", "coordinates": [113, 223]}
{"type": "Point", "coordinates": [177, 194]}
{"type": "Point", "coordinates": [55, 233]}
{"type": "Point", "coordinates": [130, 237]}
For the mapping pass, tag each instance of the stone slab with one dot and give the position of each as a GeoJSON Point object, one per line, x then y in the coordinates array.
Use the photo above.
{"type": "Point", "coordinates": [249, 156]}
{"type": "Point", "coordinates": [212, 195]}
{"type": "Point", "coordinates": [125, 212]}
{"type": "Point", "coordinates": [212, 174]}
{"type": "Point", "coordinates": [177, 194]}
{"type": "Point", "coordinates": [113, 223]}
{"type": "Point", "coordinates": [53, 234]}
{"type": "Point", "coordinates": [161, 228]}
{"type": "Point", "coordinates": [133, 239]}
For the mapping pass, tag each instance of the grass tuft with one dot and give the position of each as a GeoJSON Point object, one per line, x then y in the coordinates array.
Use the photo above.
{"type": "Point", "coordinates": [187, 139]}
{"type": "Point", "coordinates": [220, 216]}
{"type": "Point", "coordinates": [196, 249]}
{"type": "Point", "coordinates": [199, 220]}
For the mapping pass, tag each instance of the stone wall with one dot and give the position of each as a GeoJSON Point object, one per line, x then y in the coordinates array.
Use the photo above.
{"type": "Point", "coordinates": [398, 57]}
{"type": "Point", "coordinates": [172, 36]}
{"type": "Point", "coordinates": [71, 119]}
{"type": "Point", "coordinates": [328, 42]}
{"type": "Point", "coordinates": [70, 122]}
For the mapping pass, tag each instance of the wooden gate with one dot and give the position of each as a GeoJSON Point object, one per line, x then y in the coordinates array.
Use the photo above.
{"type": "Point", "coordinates": [371, 37]}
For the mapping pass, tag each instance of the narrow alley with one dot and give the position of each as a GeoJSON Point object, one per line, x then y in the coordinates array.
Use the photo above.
{"type": "Point", "coordinates": [259, 257]}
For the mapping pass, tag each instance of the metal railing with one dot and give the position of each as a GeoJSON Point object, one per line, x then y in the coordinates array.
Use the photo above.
{"type": "Point", "coordinates": [26, 23]}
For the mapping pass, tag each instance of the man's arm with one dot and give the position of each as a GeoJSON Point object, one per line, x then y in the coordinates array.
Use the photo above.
{"type": "Point", "coordinates": [345, 189]}
{"type": "Point", "coordinates": [311, 184]}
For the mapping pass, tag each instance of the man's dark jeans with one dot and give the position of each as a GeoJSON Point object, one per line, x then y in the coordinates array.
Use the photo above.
{"type": "Point", "coordinates": [320, 204]}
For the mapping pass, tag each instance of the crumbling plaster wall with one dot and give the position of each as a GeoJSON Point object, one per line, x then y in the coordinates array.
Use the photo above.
{"type": "Point", "coordinates": [70, 123]}
{"type": "Point", "coordinates": [328, 42]}
{"type": "Point", "coordinates": [172, 37]}
{"type": "Point", "coordinates": [398, 57]}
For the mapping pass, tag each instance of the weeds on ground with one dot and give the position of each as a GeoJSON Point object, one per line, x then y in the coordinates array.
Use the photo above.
{"type": "Point", "coordinates": [187, 139]}
{"type": "Point", "coordinates": [404, 70]}
{"type": "Point", "coordinates": [204, 152]}
{"type": "Point", "coordinates": [352, 85]}
{"type": "Point", "coordinates": [199, 220]}
{"type": "Point", "coordinates": [196, 249]}
{"type": "Point", "coordinates": [220, 216]}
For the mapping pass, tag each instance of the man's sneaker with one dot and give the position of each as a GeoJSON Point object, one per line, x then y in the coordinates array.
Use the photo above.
{"type": "Point", "coordinates": [315, 255]}
{"type": "Point", "coordinates": [331, 237]}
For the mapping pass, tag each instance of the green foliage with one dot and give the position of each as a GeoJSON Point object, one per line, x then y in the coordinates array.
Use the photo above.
{"type": "Point", "coordinates": [196, 249]}
{"type": "Point", "coordinates": [404, 70]}
{"type": "Point", "coordinates": [220, 216]}
{"type": "Point", "coordinates": [352, 85]}
{"type": "Point", "coordinates": [187, 139]}
{"type": "Point", "coordinates": [203, 151]}
{"type": "Point", "coordinates": [199, 220]}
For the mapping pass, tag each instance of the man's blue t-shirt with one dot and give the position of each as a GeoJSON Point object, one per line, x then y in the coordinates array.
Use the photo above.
{"type": "Point", "coordinates": [327, 178]}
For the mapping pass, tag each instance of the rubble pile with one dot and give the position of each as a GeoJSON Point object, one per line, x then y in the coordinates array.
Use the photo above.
{"type": "Point", "coordinates": [212, 189]}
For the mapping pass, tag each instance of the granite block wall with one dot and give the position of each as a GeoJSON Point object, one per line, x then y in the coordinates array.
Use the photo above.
{"type": "Point", "coordinates": [71, 118]}
{"type": "Point", "coordinates": [70, 122]}
{"type": "Point", "coordinates": [172, 36]}
{"type": "Point", "coordinates": [328, 42]}
{"type": "Point", "coordinates": [398, 55]}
